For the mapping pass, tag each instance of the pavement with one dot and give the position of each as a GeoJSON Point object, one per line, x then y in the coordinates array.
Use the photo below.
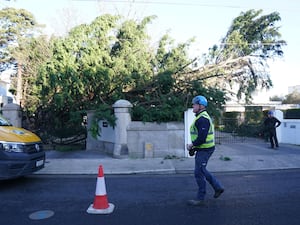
{"type": "Point", "coordinates": [228, 157]}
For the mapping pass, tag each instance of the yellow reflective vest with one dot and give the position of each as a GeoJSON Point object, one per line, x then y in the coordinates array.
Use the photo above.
{"type": "Point", "coordinates": [210, 139]}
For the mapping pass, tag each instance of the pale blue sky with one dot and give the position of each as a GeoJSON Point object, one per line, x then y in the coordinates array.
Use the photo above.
{"type": "Point", "coordinates": [207, 20]}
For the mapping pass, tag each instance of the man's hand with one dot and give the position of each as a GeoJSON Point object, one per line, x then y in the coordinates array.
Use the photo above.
{"type": "Point", "coordinates": [189, 147]}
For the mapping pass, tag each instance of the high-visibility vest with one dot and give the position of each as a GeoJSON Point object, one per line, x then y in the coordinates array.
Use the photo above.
{"type": "Point", "coordinates": [210, 139]}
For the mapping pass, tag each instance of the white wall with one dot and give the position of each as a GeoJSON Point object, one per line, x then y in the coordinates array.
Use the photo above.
{"type": "Point", "coordinates": [289, 132]}
{"type": "Point", "coordinates": [189, 117]}
{"type": "Point", "coordinates": [279, 115]}
{"type": "Point", "coordinates": [107, 132]}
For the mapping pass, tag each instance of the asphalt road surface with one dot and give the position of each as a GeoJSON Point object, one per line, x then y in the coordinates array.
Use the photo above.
{"type": "Point", "coordinates": [261, 197]}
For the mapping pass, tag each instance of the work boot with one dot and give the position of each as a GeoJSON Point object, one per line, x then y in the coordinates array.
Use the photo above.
{"type": "Point", "coordinates": [195, 202]}
{"type": "Point", "coordinates": [218, 193]}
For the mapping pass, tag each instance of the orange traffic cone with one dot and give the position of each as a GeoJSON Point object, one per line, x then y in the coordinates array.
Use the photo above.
{"type": "Point", "coordinates": [100, 205]}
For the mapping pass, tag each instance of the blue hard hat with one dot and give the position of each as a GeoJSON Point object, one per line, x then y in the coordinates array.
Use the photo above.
{"type": "Point", "coordinates": [201, 100]}
{"type": "Point", "coordinates": [270, 113]}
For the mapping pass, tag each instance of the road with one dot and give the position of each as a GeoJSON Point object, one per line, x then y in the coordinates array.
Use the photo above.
{"type": "Point", "coordinates": [261, 197]}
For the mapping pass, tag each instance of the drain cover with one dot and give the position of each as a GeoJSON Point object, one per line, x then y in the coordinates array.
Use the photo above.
{"type": "Point", "coordinates": [40, 215]}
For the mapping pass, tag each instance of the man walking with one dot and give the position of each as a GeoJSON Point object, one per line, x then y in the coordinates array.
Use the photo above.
{"type": "Point", "coordinates": [271, 123]}
{"type": "Point", "coordinates": [203, 145]}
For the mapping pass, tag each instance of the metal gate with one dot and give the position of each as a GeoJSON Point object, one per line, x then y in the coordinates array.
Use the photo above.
{"type": "Point", "coordinates": [227, 130]}
{"type": "Point", "coordinates": [234, 131]}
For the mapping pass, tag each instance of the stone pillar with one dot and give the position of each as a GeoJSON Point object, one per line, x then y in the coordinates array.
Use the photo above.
{"type": "Point", "coordinates": [122, 114]}
{"type": "Point", "coordinates": [13, 113]}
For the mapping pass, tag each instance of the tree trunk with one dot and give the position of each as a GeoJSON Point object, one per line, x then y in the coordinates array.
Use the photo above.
{"type": "Point", "coordinates": [19, 85]}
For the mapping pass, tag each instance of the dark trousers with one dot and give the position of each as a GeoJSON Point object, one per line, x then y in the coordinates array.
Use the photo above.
{"type": "Point", "coordinates": [202, 175]}
{"type": "Point", "coordinates": [273, 138]}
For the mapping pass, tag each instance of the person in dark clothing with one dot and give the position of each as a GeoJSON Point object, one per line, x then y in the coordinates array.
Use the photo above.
{"type": "Point", "coordinates": [202, 146]}
{"type": "Point", "coordinates": [270, 124]}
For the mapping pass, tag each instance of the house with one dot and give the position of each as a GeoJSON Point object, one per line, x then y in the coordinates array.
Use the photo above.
{"type": "Point", "coordinates": [5, 96]}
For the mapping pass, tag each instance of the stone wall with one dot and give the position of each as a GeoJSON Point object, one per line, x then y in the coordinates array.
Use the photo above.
{"type": "Point", "coordinates": [151, 140]}
{"type": "Point", "coordinates": [12, 112]}
{"type": "Point", "coordinates": [136, 139]}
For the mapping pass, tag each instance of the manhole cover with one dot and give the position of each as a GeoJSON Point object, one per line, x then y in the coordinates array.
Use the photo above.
{"type": "Point", "coordinates": [40, 215]}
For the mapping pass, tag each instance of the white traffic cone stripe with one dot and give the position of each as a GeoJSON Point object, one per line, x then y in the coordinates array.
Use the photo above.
{"type": "Point", "coordinates": [100, 188]}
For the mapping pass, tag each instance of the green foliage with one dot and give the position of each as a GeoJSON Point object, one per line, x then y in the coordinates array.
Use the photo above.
{"type": "Point", "coordinates": [224, 158]}
{"type": "Point", "coordinates": [241, 59]}
{"type": "Point", "coordinates": [104, 112]}
{"type": "Point", "coordinates": [17, 29]}
{"type": "Point", "coordinates": [292, 98]}
{"type": "Point", "coordinates": [230, 121]}
{"type": "Point", "coordinates": [250, 125]}
{"type": "Point", "coordinates": [32, 52]}
{"type": "Point", "coordinates": [14, 24]}
{"type": "Point", "coordinates": [166, 99]}
{"type": "Point", "coordinates": [93, 66]}
{"type": "Point", "coordinates": [68, 148]}
{"type": "Point", "coordinates": [253, 115]}
{"type": "Point", "coordinates": [255, 33]}
{"type": "Point", "coordinates": [170, 57]}
{"type": "Point", "coordinates": [110, 59]}
{"type": "Point", "coordinates": [249, 130]}
{"type": "Point", "coordinates": [276, 98]}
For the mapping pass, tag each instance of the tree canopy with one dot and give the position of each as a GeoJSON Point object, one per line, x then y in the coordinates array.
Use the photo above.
{"type": "Point", "coordinates": [14, 24]}
{"type": "Point", "coordinates": [111, 58]}
{"type": "Point", "coordinates": [242, 57]}
{"type": "Point", "coordinates": [292, 98]}
{"type": "Point", "coordinates": [17, 29]}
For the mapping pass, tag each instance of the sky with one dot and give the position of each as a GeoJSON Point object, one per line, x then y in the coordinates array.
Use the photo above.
{"type": "Point", "coordinates": [206, 20]}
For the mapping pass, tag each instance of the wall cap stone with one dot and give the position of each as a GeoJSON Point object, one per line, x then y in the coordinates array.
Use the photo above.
{"type": "Point", "coordinates": [11, 106]}
{"type": "Point", "coordinates": [122, 104]}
